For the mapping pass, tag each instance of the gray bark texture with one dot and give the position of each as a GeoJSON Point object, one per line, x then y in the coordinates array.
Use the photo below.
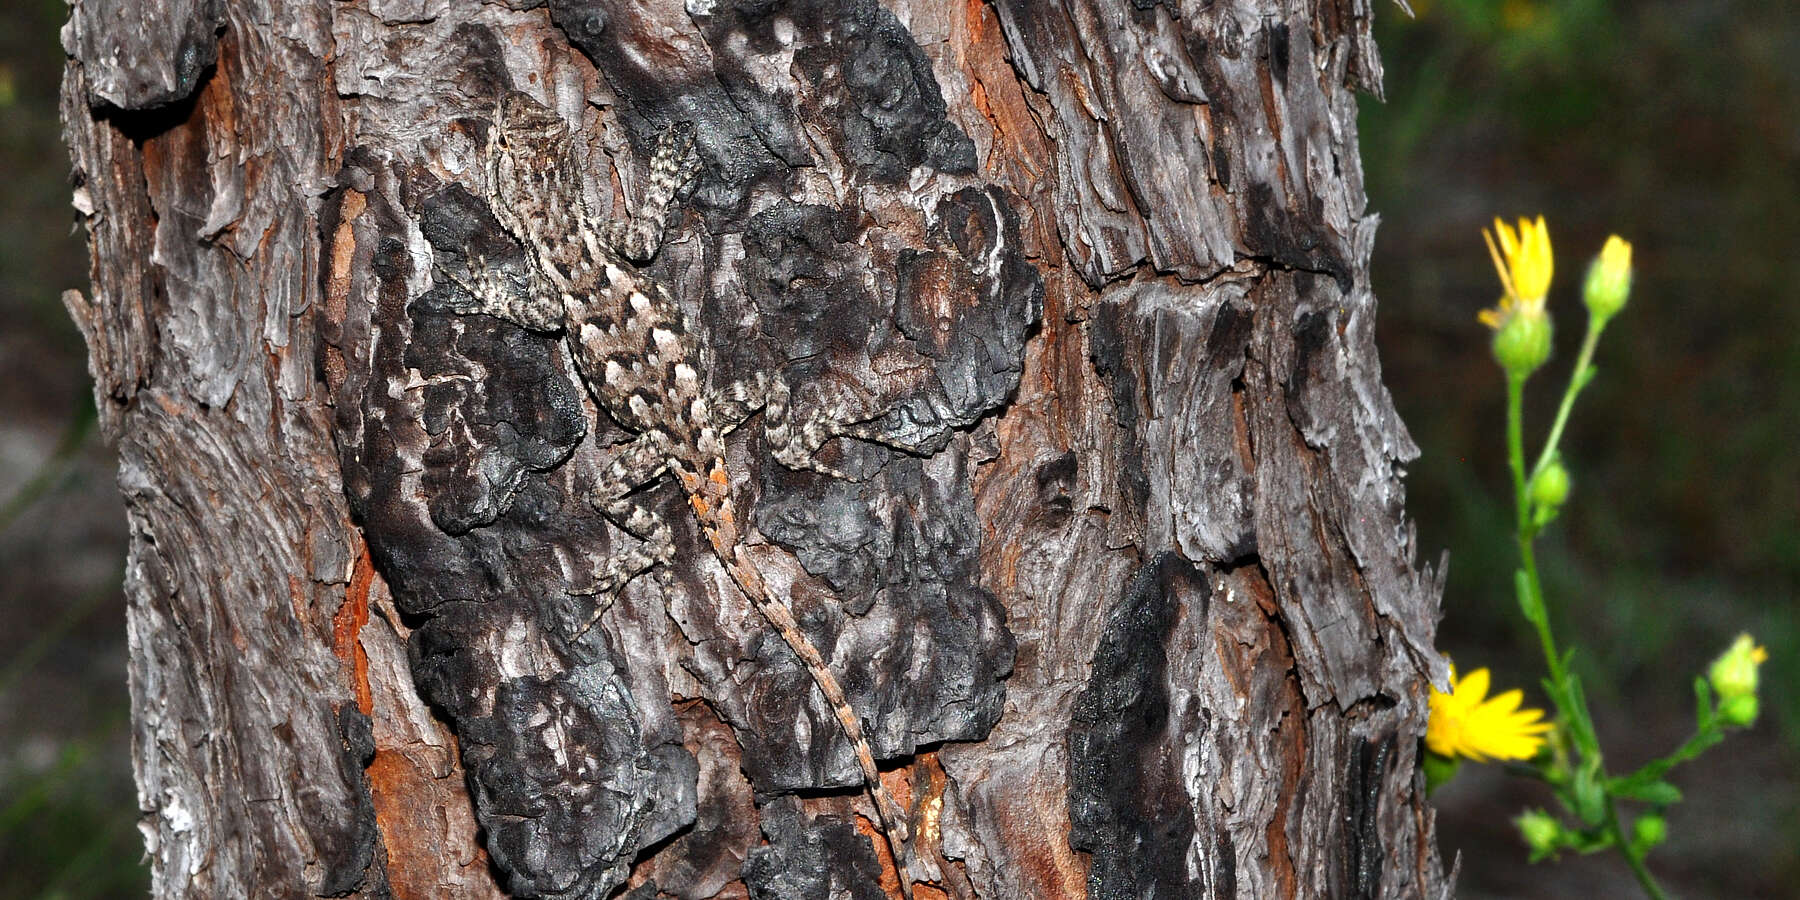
{"type": "Point", "coordinates": [1131, 612]}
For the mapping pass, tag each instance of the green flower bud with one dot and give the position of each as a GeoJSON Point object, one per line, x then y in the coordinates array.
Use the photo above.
{"type": "Point", "coordinates": [1649, 830]}
{"type": "Point", "coordinates": [1739, 711]}
{"type": "Point", "coordinates": [1522, 343]}
{"type": "Point", "coordinates": [1733, 674]}
{"type": "Point", "coordinates": [1608, 279]}
{"type": "Point", "coordinates": [1550, 487]}
{"type": "Point", "coordinates": [1541, 831]}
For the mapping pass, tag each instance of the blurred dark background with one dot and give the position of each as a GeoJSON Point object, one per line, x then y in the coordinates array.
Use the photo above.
{"type": "Point", "coordinates": [1675, 124]}
{"type": "Point", "coordinates": [68, 811]}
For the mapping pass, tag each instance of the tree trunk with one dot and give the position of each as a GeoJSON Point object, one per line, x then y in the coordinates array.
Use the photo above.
{"type": "Point", "coordinates": [1123, 595]}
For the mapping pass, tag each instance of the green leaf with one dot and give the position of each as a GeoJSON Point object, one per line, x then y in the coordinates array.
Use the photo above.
{"type": "Point", "coordinates": [1591, 840]}
{"type": "Point", "coordinates": [1584, 376]}
{"type": "Point", "coordinates": [1529, 604]}
{"type": "Point", "coordinates": [1656, 793]}
{"type": "Point", "coordinates": [1589, 796]}
{"type": "Point", "coordinates": [1581, 724]}
{"type": "Point", "coordinates": [1438, 769]}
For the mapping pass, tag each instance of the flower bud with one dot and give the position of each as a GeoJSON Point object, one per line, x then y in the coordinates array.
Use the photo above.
{"type": "Point", "coordinates": [1550, 487]}
{"type": "Point", "coordinates": [1739, 711]}
{"type": "Point", "coordinates": [1649, 830]}
{"type": "Point", "coordinates": [1733, 674]}
{"type": "Point", "coordinates": [1608, 279]}
{"type": "Point", "coordinates": [1522, 343]}
{"type": "Point", "coordinates": [1541, 831]}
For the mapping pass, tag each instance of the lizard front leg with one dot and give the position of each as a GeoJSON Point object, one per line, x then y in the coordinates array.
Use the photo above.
{"type": "Point", "coordinates": [527, 298]}
{"type": "Point", "coordinates": [671, 166]}
{"type": "Point", "coordinates": [657, 547]}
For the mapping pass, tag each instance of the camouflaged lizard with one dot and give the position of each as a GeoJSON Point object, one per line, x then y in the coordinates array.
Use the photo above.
{"type": "Point", "coordinates": [645, 367]}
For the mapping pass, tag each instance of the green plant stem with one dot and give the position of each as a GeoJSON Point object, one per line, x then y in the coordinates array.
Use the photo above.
{"type": "Point", "coordinates": [1569, 708]}
{"type": "Point", "coordinates": [1700, 742]}
{"type": "Point", "coordinates": [1577, 382]}
{"type": "Point", "coordinates": [1541, 621]}
{"type": "Point", "coordinates": [1515, 441]}
{"type": "Point", "coordinates": [1633, 857]}
{"type": "Point", "coordinates": [1535, 611]}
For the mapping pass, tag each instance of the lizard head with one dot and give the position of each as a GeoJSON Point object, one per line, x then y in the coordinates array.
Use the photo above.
{"type": "Point", "coordinates": [524, 126]}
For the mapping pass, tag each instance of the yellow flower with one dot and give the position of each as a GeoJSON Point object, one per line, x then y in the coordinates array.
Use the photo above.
{"type": "Point", "coordinates": [1521, 326]}
{"type": "Point", "coordinates": [1525, 264]}
{"type": "Point", "coordinates": [1609, 279]}
{"type": "Point", "coordinates": [1466, 723]}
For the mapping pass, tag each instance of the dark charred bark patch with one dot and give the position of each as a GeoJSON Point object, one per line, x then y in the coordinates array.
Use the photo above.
{"type": "Point", "coordinates": [1127, 805]}
{"type": "Point", "coordinates": [866, 74]}
{"type": "Point", "coordinates": [897, 109]}
{"type": "Point", "coordinates": [354, 857]}
{"type": "Point", "coordinates": [1291, 240]}
{"type": "Point", "coordinates": [810, 861]}
{"type": "Point", "coordinates": [803, 271]}
{"type": "Point", "coordinates": [453, 443]}
{"type": "Point", "coordinates": [1365, 770]}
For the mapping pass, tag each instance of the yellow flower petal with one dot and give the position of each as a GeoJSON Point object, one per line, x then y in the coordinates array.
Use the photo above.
{"type": "Point", "coordinates": [1509, 241]}
{"type": "Point", "coordinates": [1525, 264]}
{"type": "Point", "coordinates": [1505, 703]}
{"type": "Point", "coordinates": [1466, 723]}
{"type": "Point", "coordinates": [1534, 265]}
{"type": "Point", "coordinates": [1473, 688]}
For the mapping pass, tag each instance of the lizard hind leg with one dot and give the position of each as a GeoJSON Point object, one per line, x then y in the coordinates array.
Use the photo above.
{"type": "Point", "coordinates": [634, 465]}
{"type": "Point", "coordinates": [795, 441]}
{"type": "Point", "coordinates": [672, 165]}
{"type": "Point", "coordinates": [658, 547]}
{"type": "Point", "coordinates": [737, 401]}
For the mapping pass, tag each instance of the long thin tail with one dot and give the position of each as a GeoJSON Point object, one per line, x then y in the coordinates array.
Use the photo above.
{"type": "Point", "coordinates": [712, 503]}
{"type": "Point", "coordinates": [893, 817]}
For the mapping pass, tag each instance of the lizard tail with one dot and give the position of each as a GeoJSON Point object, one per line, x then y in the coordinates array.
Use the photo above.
{"type": "Point", "coordinates": [711, 500]}
{"type": "Point", "coordinates": [893, 816]}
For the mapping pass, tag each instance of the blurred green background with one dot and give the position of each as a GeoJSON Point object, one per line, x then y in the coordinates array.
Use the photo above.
{"type": "Point", "coordinates": [1675, 124]}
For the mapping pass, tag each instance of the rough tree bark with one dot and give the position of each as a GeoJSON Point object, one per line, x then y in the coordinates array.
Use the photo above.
{"type": "Point", "coordinates": [1138, 616]}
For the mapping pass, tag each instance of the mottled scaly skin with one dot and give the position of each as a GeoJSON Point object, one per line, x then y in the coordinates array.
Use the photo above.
{"type": "Point", "coordinates": [646, 369]}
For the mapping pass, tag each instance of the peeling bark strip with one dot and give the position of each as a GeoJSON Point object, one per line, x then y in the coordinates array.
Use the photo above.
{"type": "Point", "coordinates": [1136, 614]}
